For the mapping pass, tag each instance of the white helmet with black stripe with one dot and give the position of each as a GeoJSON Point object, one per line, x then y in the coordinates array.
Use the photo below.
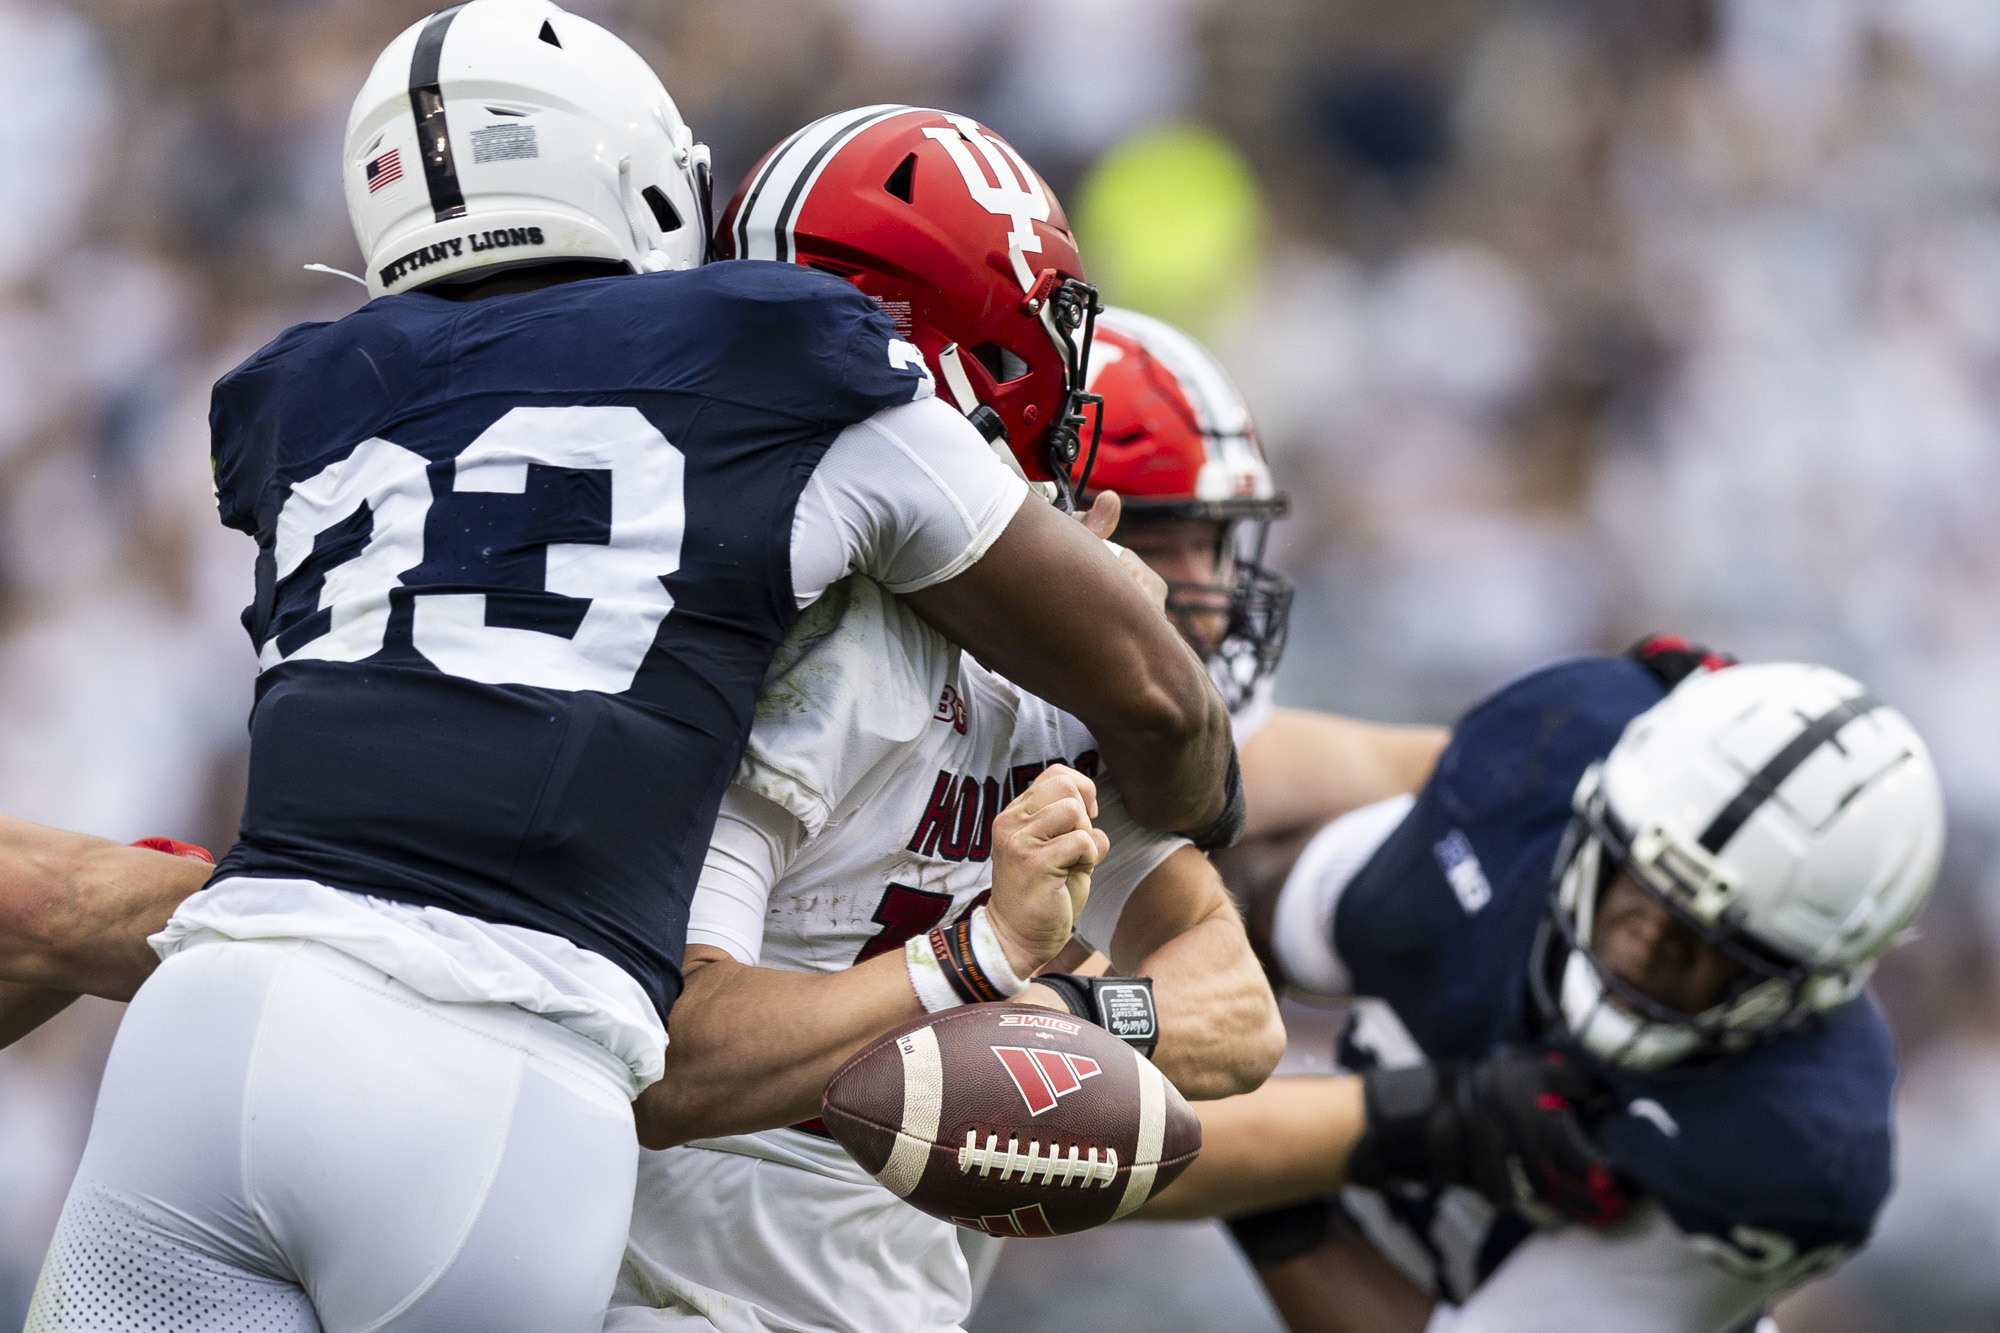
{"type": "Point", "coordinates": [1783, 813]}
{"type": "Point", "coordinates": [501, 133]}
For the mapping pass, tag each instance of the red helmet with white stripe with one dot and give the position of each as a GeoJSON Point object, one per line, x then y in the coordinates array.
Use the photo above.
{"type": "Point", "coordinates": [1179, 446]}
{"type": "Point", "coordinates": [940, 220]}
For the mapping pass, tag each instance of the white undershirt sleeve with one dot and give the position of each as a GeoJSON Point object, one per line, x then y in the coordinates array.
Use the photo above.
{"type": "Point", "coordinates": [910, 497]}
{"type": "Point", "coordinates": [1302, 925]}
{"type": "Point", "coordinates": [1135, 853]}
{"type": "Point", "coordinates": [754, 841]}
{"type": "Point", "coordinates": [1643, 1276]}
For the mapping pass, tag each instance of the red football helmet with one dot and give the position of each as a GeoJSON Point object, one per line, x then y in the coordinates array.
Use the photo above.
{"type": "Point", "coordinates": [940, 220]}
{"type": "Point", "coordinates": [1178, 443]}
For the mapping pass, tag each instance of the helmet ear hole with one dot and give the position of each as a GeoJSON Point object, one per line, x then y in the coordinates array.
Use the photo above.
{"type": "Point", "coordinates": [664, 212]}
{"type": "Point", "coordinates": [548, 34]}
{"type": "Point", "coordinates": [901, 179]}
{"type": "Point", "coordinates": [1001, 364]}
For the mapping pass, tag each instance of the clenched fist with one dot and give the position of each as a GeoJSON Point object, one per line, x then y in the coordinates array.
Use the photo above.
{"type": "Point", "coordinates": [1044, 849]}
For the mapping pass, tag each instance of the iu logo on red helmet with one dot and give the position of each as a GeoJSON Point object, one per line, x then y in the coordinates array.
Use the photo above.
{"type": "Point", "coordinates": [966, 248]}
{"type": "Point", "coordinates": [1180, 447]}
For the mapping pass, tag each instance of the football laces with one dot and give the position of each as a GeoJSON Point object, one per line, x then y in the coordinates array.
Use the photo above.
{"type": "Point", "coordinates": [1053, 1166]}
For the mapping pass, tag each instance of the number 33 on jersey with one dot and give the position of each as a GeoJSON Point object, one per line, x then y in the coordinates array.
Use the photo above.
{"type": "Point", "coordinates": [595, 491]}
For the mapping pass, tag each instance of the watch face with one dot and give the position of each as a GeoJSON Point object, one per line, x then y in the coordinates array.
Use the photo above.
{"type": "Point", "coordinates": [1126, 1010]}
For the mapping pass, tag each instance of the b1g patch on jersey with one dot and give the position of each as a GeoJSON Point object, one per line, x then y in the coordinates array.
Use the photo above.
{"type": "Point", "coordinates": [951, 708]}
{"type": "Point", "coordinates": [1462, 871]}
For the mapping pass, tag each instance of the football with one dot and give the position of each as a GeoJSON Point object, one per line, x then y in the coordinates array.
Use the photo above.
{"type": "Point", "coordinates": [1012, 1119]}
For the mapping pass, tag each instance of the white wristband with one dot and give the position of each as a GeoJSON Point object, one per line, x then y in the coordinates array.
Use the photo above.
{"type": "Point", "coordinates": [961, 963]}
{"type": "Point", "coordinates": [986, 951]}
{"type": "Point", "coordinates": [934, 993]}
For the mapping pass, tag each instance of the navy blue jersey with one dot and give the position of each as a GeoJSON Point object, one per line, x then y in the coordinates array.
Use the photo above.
{"type": "Point", "coordinates": [1775, 1156]}
{"type": "Point", "coordinates": [522, 565]}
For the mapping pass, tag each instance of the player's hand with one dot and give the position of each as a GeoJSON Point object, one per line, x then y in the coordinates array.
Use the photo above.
{"type": "Point", "coordinates": [1510, 1127]}
{"type": "Point", "coordinates": [1044, 849]}
{"type": "Point", "coordinates": [1102, 521]}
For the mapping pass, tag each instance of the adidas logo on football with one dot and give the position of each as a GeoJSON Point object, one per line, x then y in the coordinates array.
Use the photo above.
{"type": "Point", "coordinates": [1028, 1221]}
{"type": "Point", "coordinates": [1045, 1077]}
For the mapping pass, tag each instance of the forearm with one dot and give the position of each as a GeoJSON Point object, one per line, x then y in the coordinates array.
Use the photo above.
{"type": "Point", "coordinates": [75, 910]}
{"type": "Point", "coordinates": [1049, 608]}
{"type": "Point", "coordinates": [753, 1047]}
{"type": "Point", "coordinates": [1286, 1142]}
{"type": "Point", "coordinates": [1220, 1034]}
{"type": "Point", "coordinates": [1304, 768]}
{"type": "Point", "coordinates": [25, 1008]}
{"type": "Point", "coordinates": [1345, 1285]}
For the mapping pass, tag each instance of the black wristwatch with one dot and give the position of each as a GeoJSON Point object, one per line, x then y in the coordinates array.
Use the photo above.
{"type": "Point", "coordinates": [1122, 1006]}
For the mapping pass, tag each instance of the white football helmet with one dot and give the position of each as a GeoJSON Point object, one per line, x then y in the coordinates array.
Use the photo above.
{"type": "Point", "coordinates": [500, 133]}
{"type": "Point", "coordinates": [1781, 811]}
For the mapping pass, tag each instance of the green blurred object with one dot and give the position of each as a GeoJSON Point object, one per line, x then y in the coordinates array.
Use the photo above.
{"type": "Point", "coordinates": [1171, 222]}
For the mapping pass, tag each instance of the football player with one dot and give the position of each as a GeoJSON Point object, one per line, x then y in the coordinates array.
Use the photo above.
{"type": "Point", "coordinates": [861, 829]}
{"type": "Point", "coordinates": [1179, 448]}
{"type": "Point", "coordinates": [531, 529]}
{"type": "Point", "coordinates": [1733, 847]}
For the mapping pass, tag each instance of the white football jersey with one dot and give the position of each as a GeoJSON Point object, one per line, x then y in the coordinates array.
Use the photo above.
{"type": "Point", "coordinates": [893, 752]}
{"type": "Point", "coordinates": [861, 817]}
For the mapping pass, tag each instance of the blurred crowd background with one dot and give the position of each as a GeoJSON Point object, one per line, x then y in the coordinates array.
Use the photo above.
{"type": "Point", "coordinates": [1565, 321]}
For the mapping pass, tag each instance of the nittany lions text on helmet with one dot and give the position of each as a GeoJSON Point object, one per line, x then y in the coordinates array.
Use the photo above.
{"type": "Point", "coordinates": [506, 132]}
{"type": "Point", "coordinates": [1788, 816]}
{"type": "Point", "coordinates": [1178, 442]}
{"type": "Point", "coordinates": [967, 249]}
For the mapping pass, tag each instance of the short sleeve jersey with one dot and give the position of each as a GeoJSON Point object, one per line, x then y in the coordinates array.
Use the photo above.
{"type": "Point", "coordinates": [1778, 1158]}
{"type": "Point", "coordinates": [523, 564]}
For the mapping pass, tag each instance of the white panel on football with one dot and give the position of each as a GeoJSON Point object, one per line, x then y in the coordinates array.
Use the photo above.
{"type": "Point", "coordinates": [1152, 1132]}
{"type": "Point", "coordinates": [923, 1104]}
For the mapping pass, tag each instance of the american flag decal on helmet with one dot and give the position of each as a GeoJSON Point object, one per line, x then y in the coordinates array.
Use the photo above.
{"type": "Point", "coordinates": [385, 170]}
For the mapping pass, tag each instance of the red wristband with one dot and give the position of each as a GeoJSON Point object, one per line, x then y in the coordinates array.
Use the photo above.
{"type": "Point", "coordinates": [175, 847]}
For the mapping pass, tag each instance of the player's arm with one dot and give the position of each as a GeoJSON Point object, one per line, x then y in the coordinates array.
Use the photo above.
{"type": "Point", "coordinates": [1050, 608]}
{"type": "Point", "coordinates": [915, 498]}
{"type": "Point", "coordinates": [1220, 1033]}
{"type": "Point", "coordinates": [1303, 768]}
{"type": "Point", "coordinates": [1343, 1284]}
{"type": "Point", "coordinates": [1643, 1276]}
{"type": "Point", "coordinates": [753, 1047]}
{"type": "Point", "coordinates": [1287, 1141]}
{"type": "Point", "coordinates": [25, 1008]}
{"type": "Point", "coordinates": [1508, 1127]}
{"type": "Point", "coordinates": [75, 910]}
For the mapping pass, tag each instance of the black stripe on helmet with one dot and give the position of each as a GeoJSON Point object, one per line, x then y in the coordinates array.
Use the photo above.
{"type": "Point", "coordinates": [756, 191]}
{"type": "Point", "coordinates": [837, 139]}
{"type": "Point", "coordinates": [427, 105]}
{"type": "Point", "coordinates": [1764, 785]}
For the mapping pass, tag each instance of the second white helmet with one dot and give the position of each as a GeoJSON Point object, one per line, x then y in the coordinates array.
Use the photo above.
{"type": "Point", "coordinates": [500, 133]}
{"type": "Point", "coordinates": [1785, 814]}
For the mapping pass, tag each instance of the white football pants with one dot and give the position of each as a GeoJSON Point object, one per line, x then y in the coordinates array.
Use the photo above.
{"type": "Point", "coordinates": [727, 1243]}
{"type": "Point", "coordinates": [289, 1141]}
